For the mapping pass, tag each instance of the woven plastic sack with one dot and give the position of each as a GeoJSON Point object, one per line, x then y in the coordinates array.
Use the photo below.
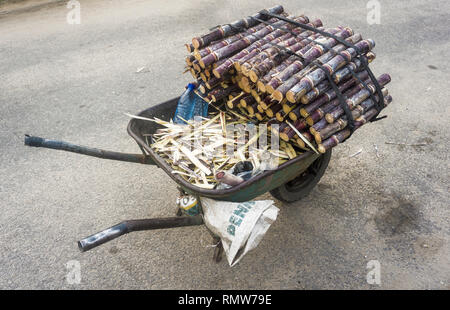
{"type": "Point", "coordinates": [240, 226]}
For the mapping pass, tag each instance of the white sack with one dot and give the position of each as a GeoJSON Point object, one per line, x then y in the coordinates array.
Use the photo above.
{"type": "Point", "coordinates": [240, 226]}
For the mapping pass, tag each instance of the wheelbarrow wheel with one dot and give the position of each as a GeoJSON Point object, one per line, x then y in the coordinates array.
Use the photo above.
{"type": "Point", "coordinates": [302, 185]}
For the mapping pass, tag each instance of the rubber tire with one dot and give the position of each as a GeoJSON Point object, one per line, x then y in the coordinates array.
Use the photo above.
{"type": "Point", "coordinates": [288, 192]}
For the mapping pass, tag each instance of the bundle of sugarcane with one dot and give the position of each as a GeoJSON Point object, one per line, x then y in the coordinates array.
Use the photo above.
{"type": "Point", "coordinates": [267, 68]}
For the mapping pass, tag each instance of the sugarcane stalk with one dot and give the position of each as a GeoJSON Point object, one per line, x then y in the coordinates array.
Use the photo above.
{"type": "Point", "coordinates": [260, 116]}
{"type": "Point", "coordinates": [261, 37]}
{"type": "Point", "coordinates": [267, 102]}
{"type": "Point", "coordinates": [295, 65]}
{"type": "Point", "coordinates": [318, 75]}
{"type": "Point", "coordinates": [341, 123]}
{"type": "Point", "coordinates": [322, 123]}
{"type": "Point", "coordinates": [303, 37]}
{"type": "Point", "coordinates": [213, 82]}
{"type": "Point", "coordinates": [345, 133]}
{"type": "Point", "coordinates": [324, 85]}
{"type": "Point", "coordinates": [189, 60]}
{"type": "Point", "coordinates": [357, 98]}
{"type": "Point", "coordinates": [199, 54]}
{"type": "Point", "coordinates": [299, 48]}
{"type": "Point", "coordinates": [259, 43]}
{"type": "Point", "coordinates": [329, 95]}
{"type": "Point", "coordinates": [307, 136]}
{"type": "Point", "coordinates": [261, 84]}
{"type": "Point", "coordinates": [255, 95]}
{"type": "Point", "coordinates": [288, 133]}
{"type": "Point", "coordinates": [333, 140]}
{"type": "Point", "coordinates": [363, 94]}
{"type": "Point", "coordinates": [189, 47]}
{"type": "Point", "coordinates": [233, 102]}
{"type": "Point", "coordinates": [269, 50]}
{"type": "Point", "coordinates": [226, 30]}
{"type": "Point", "coordinates": [284, 40]}
{"type": "Point", "coordinates": [287, 39]}
{"type": "Point", "coordinates": [201, 87]}
{"type": "Point", "coordinates": [222, 93]}
{"type": "Point", "coordinates": [354, 65]}
{"type": "Point", "coordinates": [320, 113]}
{"type": "Point", "coordinates": [252, 109]}
{"type": "Point", "coordinates": [270, 112]}
{"type": "Point", "coordinates": [281, 115]}
{"type": "Point", "coordinates": [315, 92]}
{"type": "Point", "coordinates": [281, 91]}
{"type": "Point", "coordinates": [247, 100]}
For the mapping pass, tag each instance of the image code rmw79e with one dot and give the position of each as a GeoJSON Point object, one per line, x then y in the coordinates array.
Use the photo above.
{"type": "Point", "coordinates": [246, 299]}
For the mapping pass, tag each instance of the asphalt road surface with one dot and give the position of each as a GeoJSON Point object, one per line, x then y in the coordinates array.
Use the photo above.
{"type": "Point", "coordinates": [74, 82]}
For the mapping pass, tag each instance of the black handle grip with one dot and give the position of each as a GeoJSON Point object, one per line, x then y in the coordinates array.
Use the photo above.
{"type": "Point", "coordinates": [33, 141]}
{"type": "Point", "coordinates": [137, 225]}
{"type": "Point", "coordinates": [89, 151]}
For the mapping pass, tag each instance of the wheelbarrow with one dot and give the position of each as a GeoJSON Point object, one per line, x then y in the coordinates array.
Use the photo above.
{"type": "Point", "coordinates": [290, 182]}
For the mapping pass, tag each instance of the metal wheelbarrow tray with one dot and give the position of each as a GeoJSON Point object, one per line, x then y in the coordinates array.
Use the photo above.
{"type": "Point", "coordinates": [291, 181]}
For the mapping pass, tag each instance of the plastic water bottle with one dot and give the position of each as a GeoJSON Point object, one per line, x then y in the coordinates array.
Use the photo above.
{"type": "Point", "coordinates": [186, 105]}
{"type": "Point", "coordinates": [189, 106]}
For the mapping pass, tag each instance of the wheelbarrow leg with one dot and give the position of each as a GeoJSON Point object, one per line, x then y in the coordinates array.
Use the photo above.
{"type": "Point", "coordinates": [218, 250]}
{"type": "Point", "coordinates": [179, 212]}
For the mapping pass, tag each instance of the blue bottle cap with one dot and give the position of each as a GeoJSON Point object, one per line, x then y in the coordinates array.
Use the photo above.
{"type": "Point", "coordinates": [191, 86]}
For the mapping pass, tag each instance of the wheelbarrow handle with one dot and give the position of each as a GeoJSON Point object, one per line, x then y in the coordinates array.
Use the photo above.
{"type": "Point", "coordinates": [65, 146]}
{"type": "Point", "coordinates": [137, 225]}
